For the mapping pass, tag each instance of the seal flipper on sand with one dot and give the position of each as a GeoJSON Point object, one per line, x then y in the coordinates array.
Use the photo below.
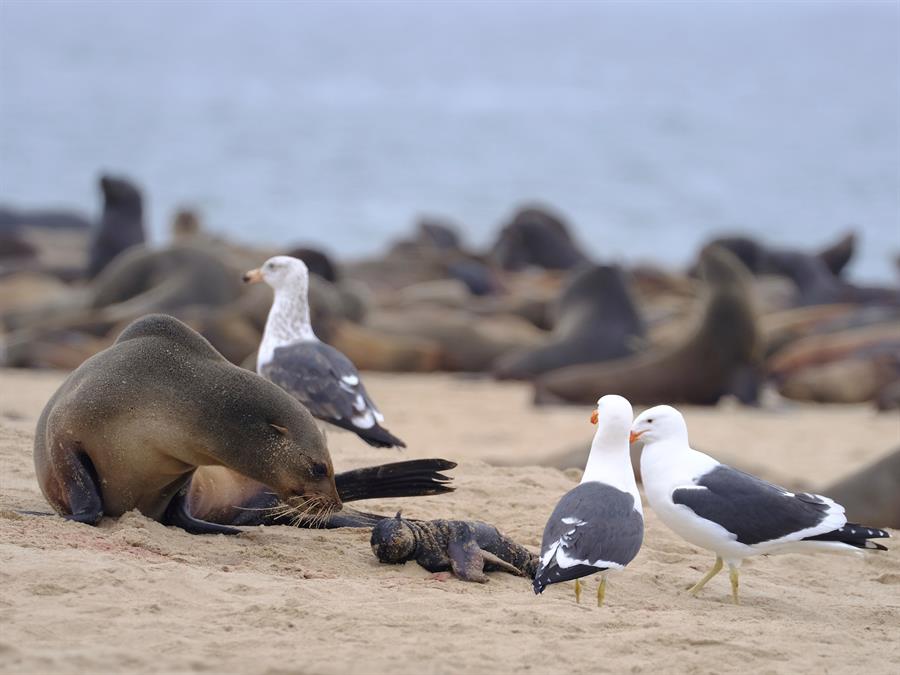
{"type": "Point", "coordinates": [466, 559]}
{"type": "Point", "coordinates": [81, 486]}
{"type": "Point", "coordinates": [179, 515]}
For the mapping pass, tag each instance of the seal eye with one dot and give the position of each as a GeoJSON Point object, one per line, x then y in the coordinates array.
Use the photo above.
{"type": "Point", "coordinates": [319, 470]}
{"type": "Point", "coordinates": [281, 430]}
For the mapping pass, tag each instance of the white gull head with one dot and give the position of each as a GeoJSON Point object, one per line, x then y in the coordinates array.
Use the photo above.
{"type": "Point", "coordinates": [288, 320]}
{"type": "Point", "coordinates": [660, 424]}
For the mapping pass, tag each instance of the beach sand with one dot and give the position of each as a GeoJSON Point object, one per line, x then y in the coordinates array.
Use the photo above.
{"type": "Point", "coordinates": [135, 596]}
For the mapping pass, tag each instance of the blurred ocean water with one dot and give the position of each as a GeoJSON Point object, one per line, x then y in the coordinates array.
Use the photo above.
{"type": "Point", "coordinates": [650, 125]}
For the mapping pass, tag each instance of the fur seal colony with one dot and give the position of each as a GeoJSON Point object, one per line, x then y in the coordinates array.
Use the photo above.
{"type": "Point", "coordinates": [154, 418]}
{"type": "Point", "coordinates": [526, 307]}
{"type": "Point", "coordinates": [130, 426]}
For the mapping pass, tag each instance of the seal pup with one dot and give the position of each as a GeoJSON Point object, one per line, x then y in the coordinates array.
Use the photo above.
{"type": "Point", "coordinates": [598, 525]}
{"type": "Point", "coordinates": [467, 548]}
{"type": "Point", "coordinates": [730, 512]}
{"type": "Point", "coordinates": [121, 225]}
{"type": "Point", "coordinates": [316, 374]}
{"type": "Point", "coordinates": [130, 426]}
{"type": "Point", "coordinates": [596, 320]}
{"type": "Point", "coordinates": [721, 355]}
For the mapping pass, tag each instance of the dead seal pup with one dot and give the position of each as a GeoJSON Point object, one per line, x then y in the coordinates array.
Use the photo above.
{"type": "Point", "coordinates": [467, 548]}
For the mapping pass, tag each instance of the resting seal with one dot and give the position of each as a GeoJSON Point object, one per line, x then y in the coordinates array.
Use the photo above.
{"type": "Point", "coordinates": [872, 491]}
{"type": "Point", "coordinates": [129, 428]}
{"type": "Point", "coordinates": [468, 549]}
{"type": "Point", "coordinates": [596, 320]}
{"type": "Point", "coordinates": [536, 238]}
{"type": "Point", "coordinates": [721, 355]}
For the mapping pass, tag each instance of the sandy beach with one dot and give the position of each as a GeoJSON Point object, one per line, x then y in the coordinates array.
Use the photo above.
{"type": "Point", "coordinates": [135, 596]}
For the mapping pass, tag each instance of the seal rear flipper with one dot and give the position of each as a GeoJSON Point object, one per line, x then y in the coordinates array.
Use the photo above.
{"type": "Point", "coordinates": [411, 478]}
{"type": "Point", "coordinates": [490, 558]}
{"type": "Point", "coordinates": [178, 514]}
{"type": "Point", "coordinates": [466, 559]}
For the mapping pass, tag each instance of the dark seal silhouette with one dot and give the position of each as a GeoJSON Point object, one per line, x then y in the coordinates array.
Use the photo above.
{"type": "Point", "coordinates": [721, 355]}
{"type": "Point", "coordinates": [121, 226]}
{"type": "Point", "coordinates": [536, 238]}
{"type": "Point", "coordinates": [596, 320]}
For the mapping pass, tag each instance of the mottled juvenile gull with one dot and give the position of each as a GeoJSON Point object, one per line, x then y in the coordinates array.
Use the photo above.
{"type": "Point", "coordinates": [317, 374]}
{"type": "Point", "coordinates": [597, 526]}
{"type": "Point", "coordinates": [730, 512]}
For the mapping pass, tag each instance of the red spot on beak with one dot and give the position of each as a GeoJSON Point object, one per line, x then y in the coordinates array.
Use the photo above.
{"type": "Point", "coordinates": [594, 417]}
{"type": "Point", "coordinates": [634, 436]}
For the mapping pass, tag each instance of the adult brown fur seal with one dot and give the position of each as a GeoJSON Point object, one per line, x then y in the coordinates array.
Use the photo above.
{"type": "Point", "coordinates": [596, 320]}
{"type": "Point", "coordinates": [129, 427]}
{"type": "Point", "coordinates": [720, 356]}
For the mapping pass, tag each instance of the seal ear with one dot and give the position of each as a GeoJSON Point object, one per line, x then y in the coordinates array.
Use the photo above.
{"type": "Point", "coordinates": [281, 430]}
{"type": "Point", "coordinates": [398, 514]}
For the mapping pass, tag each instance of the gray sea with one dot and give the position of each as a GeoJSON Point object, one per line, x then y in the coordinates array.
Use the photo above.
{"type": "Point", "coordinates": [649, 125]}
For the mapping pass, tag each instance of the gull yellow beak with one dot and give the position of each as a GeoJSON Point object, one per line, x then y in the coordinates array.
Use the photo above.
{"type": "Point", "coordinates": [635, 436]}
{"type": "Point", "coordinates": [594, 417]}
{"type": "Point", "coordinates": [253, 276]}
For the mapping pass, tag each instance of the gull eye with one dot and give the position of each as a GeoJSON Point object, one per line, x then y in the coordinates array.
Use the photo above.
{"type": "Point", "coordinates": [650, 421]}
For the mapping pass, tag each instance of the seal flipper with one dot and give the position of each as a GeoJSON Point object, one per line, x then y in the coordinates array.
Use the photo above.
{"type": "Point", "coordinates": [178, 514]}
{"type": "Point", "coordinates": [82, 489]}
{"type": "Point", "coordinates": [490, 558]}
{"type": "Point", "coordinates": [466, 559]}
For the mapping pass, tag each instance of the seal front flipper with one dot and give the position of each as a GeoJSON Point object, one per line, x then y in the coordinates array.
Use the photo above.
{"type": "Point", "coordinates": [466, 559]}
{"type": "Point", "coordinates": [80, 487]}
{"type": "Point", "coordinates": [178, 514]}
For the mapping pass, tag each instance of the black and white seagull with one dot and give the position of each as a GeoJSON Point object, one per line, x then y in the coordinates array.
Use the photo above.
{"type": "Point", "coordinates": [730, 512]}
{"type": "Point", "coordinates": [316, 374]}
{"type": "Point", "coordinates": [597, 526]}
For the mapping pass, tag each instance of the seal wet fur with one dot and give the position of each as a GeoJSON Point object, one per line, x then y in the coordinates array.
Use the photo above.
{"type": "Point", "coordinates": [129, 428]}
